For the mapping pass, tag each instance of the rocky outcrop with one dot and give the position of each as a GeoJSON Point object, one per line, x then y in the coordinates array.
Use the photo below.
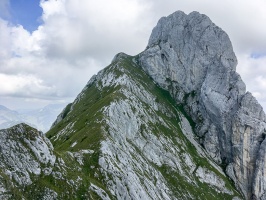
{"type": "Point", "coordinates": [31, 169]}
{"type": "Point", "coordinates": [25, 154]}
{"type": "Point", "coordinates": [193, 59]}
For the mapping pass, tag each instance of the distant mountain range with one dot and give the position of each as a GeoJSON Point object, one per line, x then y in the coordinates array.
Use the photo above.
{"type": "Point", "coordinates": [41, 119]}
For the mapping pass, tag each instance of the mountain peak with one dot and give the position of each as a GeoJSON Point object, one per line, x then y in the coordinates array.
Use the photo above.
{"type": "Point", "coordinates": [23, 127]}
{"type": "Point", "coordinates": [193, 59]}
{"type": "Point", "coordinates": [170, 28]}
{"type": "Point", "coordinates": [174, 122]}
{"type": "Point", "coordinates": [118, 56]}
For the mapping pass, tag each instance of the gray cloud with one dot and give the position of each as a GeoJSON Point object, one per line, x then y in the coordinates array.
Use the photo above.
{"type": "Point", "coordinates": [78, 38]}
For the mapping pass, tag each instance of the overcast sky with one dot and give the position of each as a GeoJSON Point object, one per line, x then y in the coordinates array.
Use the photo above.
{"type": "Point", "coordinates": [49, 49]}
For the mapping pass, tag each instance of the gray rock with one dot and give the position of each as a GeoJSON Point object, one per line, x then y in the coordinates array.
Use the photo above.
{"type": "Point", "coordinates": [193, 59]}
{"type": "Point", "coordinates": [248, 144]}
{"type": "Point", "coordinates": [135, 147]}
{"type": "Point", "coordinates": [259, 184]}
{"type": "Point", "coordinates": [24, 153]}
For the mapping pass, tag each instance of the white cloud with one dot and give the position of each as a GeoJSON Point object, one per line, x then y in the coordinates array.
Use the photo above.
{"type": "Point", "coordinates": [253, 73]}
{"type": "Point", "coordinates": [76, 29]}
{"type": "Point", "coordinates": [75, 40]}
{"type": "Point", "coordinates": [24, 86]}
{"type": "Point", "coordinates": [5, 40]}
{"type": "Point", "coordinates": [78, 38]}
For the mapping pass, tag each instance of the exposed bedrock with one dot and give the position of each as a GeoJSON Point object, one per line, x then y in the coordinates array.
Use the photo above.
{"type": "Point", "coordinates": [193, 59]}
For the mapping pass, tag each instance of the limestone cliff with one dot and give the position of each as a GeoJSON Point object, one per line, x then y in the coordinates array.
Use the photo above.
{"type": "Point", "coordinates": [193, 59]}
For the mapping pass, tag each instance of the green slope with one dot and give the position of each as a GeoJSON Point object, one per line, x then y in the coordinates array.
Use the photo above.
{"type": "Point", "coordinates": [85, 126]}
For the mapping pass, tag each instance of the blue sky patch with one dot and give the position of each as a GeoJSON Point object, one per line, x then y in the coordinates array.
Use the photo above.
{"type": "Point", "coordinates": [26, 13]}
{"type": "Point", "coordinates": [257, 55]}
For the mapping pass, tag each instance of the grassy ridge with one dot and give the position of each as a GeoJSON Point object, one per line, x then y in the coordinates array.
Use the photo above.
{"type": "Point", "coordinates": [84, 127]}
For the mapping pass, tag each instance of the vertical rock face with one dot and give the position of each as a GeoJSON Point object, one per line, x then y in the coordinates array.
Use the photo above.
{"type": "Point", "coordinates": [193, 59]}
{"type": "Point", "coordinates": [248, 147]}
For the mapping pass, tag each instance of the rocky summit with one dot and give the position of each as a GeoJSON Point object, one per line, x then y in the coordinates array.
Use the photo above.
{"type": "Point", "coordinates": [173, 122]}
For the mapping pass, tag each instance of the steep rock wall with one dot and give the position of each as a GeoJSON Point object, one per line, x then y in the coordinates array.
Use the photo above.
{"type": "Point", "coordinates": [193, 59]}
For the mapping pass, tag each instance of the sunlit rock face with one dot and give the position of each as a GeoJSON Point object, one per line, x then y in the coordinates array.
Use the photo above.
{"type": "Point", "coordinates": [193, 59]}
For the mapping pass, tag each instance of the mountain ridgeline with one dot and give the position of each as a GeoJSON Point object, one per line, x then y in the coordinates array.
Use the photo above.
{"type": "Point", "coordinates": [173, 122]}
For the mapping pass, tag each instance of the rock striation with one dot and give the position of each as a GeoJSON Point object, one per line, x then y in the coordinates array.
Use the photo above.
{"type": "Point", "coordinates": [193, 59]}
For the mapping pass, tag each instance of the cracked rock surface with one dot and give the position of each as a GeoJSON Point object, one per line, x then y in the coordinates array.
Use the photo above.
{"type": "Point", "coordinates": [193, 59]}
